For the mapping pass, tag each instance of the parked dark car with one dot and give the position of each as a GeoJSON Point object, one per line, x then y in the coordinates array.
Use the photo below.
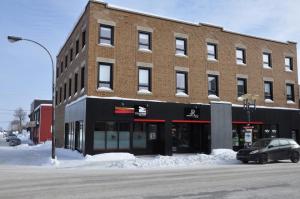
{"type": "Point", "coordinates": [10, 136]}
{"type": "Point", "coordinates": [14, 141]}
{"type": "Point", "coordinates": [270, 149]}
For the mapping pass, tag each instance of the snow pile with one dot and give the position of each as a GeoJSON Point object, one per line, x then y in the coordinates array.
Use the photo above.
{"type": "Point", "coordinates": [218, 157]}
{"type": "Point", "coordinates": [39, 155]}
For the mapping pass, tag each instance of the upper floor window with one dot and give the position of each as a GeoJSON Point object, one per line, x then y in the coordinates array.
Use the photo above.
{"type": "Point", "coordinates": [61, 67]}
{"type": "Point", "coordinates": [212, 51]}
{"type": "Point", "coordinates": [106, 34]}
{"type": "Point", "coordinates": [105, 76]}
{"type": "Point", "coordinates": [57, 72]}
{"type": "Point", "coordinates": [181, 82]}
{"type": "Point", "coordinates": [144, 40]}
{"type": "Point", "coordinates": [268, 89]}
{"type": "Point", "coordinates": [77, 47]}
{"type": "Point", "coordinates": [56, 97]}
{"type": "Point", "coordinates": [213, 85]}
{"type": "Point", "coordinates": [83, 38]}
{"type": "Point", "coordinates": [60, 94]}
{"type": "Point", "coordinates": [267, 62]}
{"type": "Point", "coordinates": [75, 82]}
{"type": "Point", "coordinates": [82, 78]}
{"type": "Point", "coordinates": [65, 91]}
{"type": "Point", "coordinates": [66, 61]}
{"type": "Point", "coordinates": [71, 54]}
{"type": "Point", "coordinates": [288, 63]}
{"type": "Point", "coordinates": [290, 92]}
{"type": "Point", "coordinates": [240, 56]}
{"type": "Point", "coordinates": [70, 87]}
{"type": "Point", "coordinates": [144, 79]}
{"type": "Point", "coordinates": [181, 45]}
{"type": "Point", "coordinates": [241, 86]}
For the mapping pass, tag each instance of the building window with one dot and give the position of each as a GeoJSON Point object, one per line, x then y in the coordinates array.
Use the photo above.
{"type": "Point", "coordinates": [111, 136]}
{"type": "Point", "coordinates": [181, 82]}
{"type": "Point", "coordinates": [213, 85]}
{"type": "Point", "coordinates": [212, 51]}
{"type": "Point", "coordinates": [144, 40]}
{"type": "Point", "coordinates": [268, 87]}
{"type": "Point", "coordinates": [106, 35]}
{"type": "Point", "coordinates": [105, 76]}
{"type": "Point", "coordinates": [70, 87]}
{"type": "Point", "coordinates": [83, 38]}
{"type": "Point", "coordinates": [82, 78]}
{"type": "Point", "coordinates": [144, 79]}
{"type": "Point", "coordinates": [77, 47]}
{"type": "Point", "coordinates": [79, 135]}
{"type": "Point", "coordinates": [240, 56]}
{"type": "Point", "coordinates": [290, 92]}
{"type": "Point", "coordinates": [288, 63]}
{"type": "Point", "coordinates": [241, 86]}
{"type": "Point", "coordinates": [57, 72]}
{"type": "Point", "coordinates": [61, 67]}
{"type": "Point", "coordinates": [65, 91]}
{"type": "Point", "coordinates": [181, 45]}
{"type": "Point", "coordinates": [99, 136]}
{"type": "Point", "coordinates": [139, 137]}
{"type": "Point", "coordinates": [60, 94]}
{"type": "Point", "coordinates": [75, 82]}
{"type": "Point", "coordinates": [56, 97]}
{"type": "Point", "coordinates": [66, 61]}
{"type": "Point", "coordinates": [71, 54]}
{"type": "Point", "coordinates": [267, 62]}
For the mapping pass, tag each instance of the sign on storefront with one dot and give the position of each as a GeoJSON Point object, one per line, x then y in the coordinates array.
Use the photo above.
{"type": "Point", "coordinates": [192, 113]}
{"type": "Point", "coordinates": [140, 111]}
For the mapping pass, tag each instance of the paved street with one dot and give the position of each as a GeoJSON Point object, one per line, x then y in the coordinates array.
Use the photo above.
{"type": "Point", "coordinates": [278, 180]}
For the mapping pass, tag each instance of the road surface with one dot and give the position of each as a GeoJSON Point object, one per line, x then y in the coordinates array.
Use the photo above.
{"type": "Point", "coordinates": [276, 180]}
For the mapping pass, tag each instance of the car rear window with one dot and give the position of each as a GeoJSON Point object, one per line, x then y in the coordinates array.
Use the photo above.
{"type": "Point", "coordinates": [283, 142]}
{"type": "Point", "coordinates": [293, 142]}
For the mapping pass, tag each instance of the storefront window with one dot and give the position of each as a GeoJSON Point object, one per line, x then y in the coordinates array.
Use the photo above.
{"type": "Point", "coordinates": [124, 136]}
{"type": "Point", "coordinates": [78, 135]}
{"type": "Point", "coordinates": [139, 136]}
{"type": "Point", "coordinates": [99, 136]}
{"type": "Point", "coordinates": [67, 142]}
{"type": "Point", "coordinates": [112, 136]}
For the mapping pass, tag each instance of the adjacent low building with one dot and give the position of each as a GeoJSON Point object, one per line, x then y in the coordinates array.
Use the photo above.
{"type": "Point", "coordinates": [144, 84]}
{"type": "Point", "coordinates": [40, 121]}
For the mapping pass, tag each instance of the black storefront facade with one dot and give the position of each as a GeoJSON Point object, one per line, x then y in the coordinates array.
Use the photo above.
{"type": "Point", "coordinates": [98, 125]}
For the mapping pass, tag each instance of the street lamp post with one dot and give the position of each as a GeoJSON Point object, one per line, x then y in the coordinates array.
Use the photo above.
{"type": "Point", "coordinates": [13, 39]}
{"type": "Point", "coordinates": [249, 104]}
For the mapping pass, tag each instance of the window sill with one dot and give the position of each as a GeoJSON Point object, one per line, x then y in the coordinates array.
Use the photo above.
{"type": "Point", "coordinates": [290, 102]}
{"type": "Point", "coordinates": [69, 98]}
{"type": "Point", "coordinates": [105, 89]}
{"type": "Point", "coordinates": [181, 94]}
{"type": "Point", "coordinates": [181, 55]}
{"type": "Point", "coordinates": [241, 64]}
{"type": "Point", "coordinates": [106, 45]}
{"type": "Point", "coordinates": [240, 99]}
{"type": "Point", "coordinates": [83, 48]}
{"type": "Point", "coordinates": [82, 90]}
{"type": "Point", "coordinates": [267, 67]}
{"type": "Point", "coordinates": [213, 97]}
{"type": "Point", "coordinates": [288, 70]}
{"type": "Point", "coordinates": [269, 101]}
{"type": "Point", "coordinates": [75, 94]}
{"type": "Point", "coordinates": [144, 50]}
{"type": "Point", "coordinates": [76, 56]}
{"type": "Point", "coordinates": [212, 60]}
{"type": "Point", "coordinates": [144, 92]}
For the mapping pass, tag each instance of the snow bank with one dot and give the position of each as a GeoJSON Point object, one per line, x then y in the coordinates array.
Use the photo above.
{"type": "Point", "coordinates": [39, 155]}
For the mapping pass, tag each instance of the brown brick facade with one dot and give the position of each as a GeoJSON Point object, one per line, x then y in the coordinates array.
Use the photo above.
{"type": "Point", "coordinates": [126, 58]}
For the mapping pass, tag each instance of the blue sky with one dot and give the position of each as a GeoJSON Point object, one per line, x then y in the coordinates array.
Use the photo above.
{"type": "Point", "coordinates": [26, 71]}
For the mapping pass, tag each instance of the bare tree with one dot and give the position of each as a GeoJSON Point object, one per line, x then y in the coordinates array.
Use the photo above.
{"type": "Point", "coordinates": [20, 116]}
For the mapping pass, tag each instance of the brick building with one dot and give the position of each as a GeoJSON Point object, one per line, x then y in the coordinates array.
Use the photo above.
{"type": "Point", "coordinates": [129, 81]}
{"type": "Point", "coordinates": [40, 121]}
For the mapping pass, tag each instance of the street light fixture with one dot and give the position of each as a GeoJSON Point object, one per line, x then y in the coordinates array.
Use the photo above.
{"type": "Point", "coordinates": [14, 39]}
{"type": "Point", "coordinates": [249, 104]}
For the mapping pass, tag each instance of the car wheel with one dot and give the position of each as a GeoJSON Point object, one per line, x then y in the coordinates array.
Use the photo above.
{"type": "Point", "coordinates": [245, 161]}
{"type": "Point", "coordinates": [263, 159]}
{"type": "Point", "coordinates": [295, 157]}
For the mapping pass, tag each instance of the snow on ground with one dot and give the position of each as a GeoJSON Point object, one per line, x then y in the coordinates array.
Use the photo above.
{"type": "Point", "coordinates": [39, 155]}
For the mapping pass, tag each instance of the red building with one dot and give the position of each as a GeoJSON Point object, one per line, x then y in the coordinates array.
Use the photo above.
{"type": "Point", "coordinates": [40, 121]}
